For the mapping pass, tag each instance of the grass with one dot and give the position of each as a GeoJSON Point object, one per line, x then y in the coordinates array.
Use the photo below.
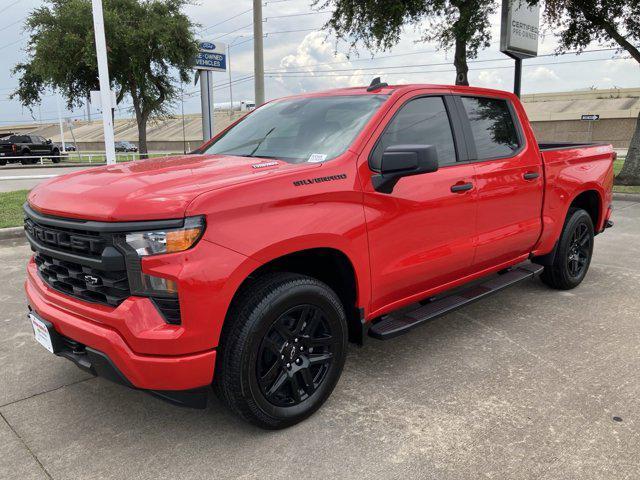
{"type": "Point", "coordinates": [11, 208]}
{"type": "Point", "coordinates": [73, 157]}
{"type": "Point", "coordinates": [617, 166]}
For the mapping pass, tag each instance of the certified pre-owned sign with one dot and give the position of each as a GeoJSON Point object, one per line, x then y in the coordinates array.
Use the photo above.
{"type": "Point", "coordinates": [211, 56]}
{"type": "Point", "coordinates": [520, 26]}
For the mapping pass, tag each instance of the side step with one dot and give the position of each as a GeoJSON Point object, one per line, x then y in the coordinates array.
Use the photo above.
{"type": "Point", "coordinates": [392, 325]}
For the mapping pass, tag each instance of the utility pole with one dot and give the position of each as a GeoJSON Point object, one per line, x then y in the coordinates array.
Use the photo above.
{"type": "Point", "coordinates": [258, 54]}
{"type": "Point", "coordinates": [105, 86]}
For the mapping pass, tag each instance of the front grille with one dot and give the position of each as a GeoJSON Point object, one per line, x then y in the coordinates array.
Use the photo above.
{"type": "Point", "coordinates": [66, 239]}
{"type": "Point", "coordinates": [86, 283]}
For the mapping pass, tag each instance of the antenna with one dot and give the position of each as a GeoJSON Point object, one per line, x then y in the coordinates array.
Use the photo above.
{"type": "Point", "coordinates": [376, 84]}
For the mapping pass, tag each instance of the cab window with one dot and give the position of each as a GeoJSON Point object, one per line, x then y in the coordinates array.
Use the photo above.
{"type": "Point", "coordinates": [421, 121]}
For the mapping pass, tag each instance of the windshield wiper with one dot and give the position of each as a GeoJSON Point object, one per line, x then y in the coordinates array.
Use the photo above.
{"type": "Point", "coordinates": [260, 142]}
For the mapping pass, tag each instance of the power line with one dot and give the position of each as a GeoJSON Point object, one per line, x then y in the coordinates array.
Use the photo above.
{"type": "Point", "coordinates": [296, 15]}
{"type": "Point", "coordinates": [9, 6]}
{"type": "Point", "coordinates": [381, 70]}
{"type": "Point", "coordinates": [225, 21]}
{"type": "Point", "coordinates": [13, 24]}
{"type": "Point", "coordinates": [10, 44]}
{"type": "Point", "coordinates": [502, 59]}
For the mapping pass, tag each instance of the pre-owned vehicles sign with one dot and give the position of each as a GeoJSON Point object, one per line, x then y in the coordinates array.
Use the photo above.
{"type": "Point", "coordinates": [212, 56]}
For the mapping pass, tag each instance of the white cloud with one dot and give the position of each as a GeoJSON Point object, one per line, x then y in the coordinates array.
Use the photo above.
{"type": "Point", "coordinates": [488, 79]}
{"type": "Point", "coordinates": [316, 65]}
{"type": "Point", "coordinates": [542, 74]}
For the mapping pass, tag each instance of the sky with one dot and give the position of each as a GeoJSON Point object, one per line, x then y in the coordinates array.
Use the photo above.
{"type": "Point", "coordinates": [300, 56]}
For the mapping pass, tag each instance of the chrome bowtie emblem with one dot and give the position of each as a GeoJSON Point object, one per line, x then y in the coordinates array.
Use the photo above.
{"type": "Point", "coordinates": [91, 280]}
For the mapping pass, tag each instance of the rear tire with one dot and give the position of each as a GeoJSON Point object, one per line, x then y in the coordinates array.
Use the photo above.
{"type": "Point", "coordinates": [573, 255]}
{"type": "Point", "coordinates": [282, 350]}
{"type": "Point", "coordinates": [3, 162]}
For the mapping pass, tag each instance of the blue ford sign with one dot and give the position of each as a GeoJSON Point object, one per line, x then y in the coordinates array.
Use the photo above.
{"type": "Point", "coordinates": [212, 56]}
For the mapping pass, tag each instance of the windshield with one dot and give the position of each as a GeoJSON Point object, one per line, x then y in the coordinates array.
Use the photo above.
{"type": "Point", "coordinates": [299, 130]}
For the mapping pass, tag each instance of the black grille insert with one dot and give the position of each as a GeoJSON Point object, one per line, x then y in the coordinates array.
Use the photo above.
{"type": "Point", "coordinates": [65, 239]}
{"type": "Point", "coordinates": [84, 282]}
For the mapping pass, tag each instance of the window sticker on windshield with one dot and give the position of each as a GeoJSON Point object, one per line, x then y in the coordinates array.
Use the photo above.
{"type": "Point", "coordinates": [317, 158]}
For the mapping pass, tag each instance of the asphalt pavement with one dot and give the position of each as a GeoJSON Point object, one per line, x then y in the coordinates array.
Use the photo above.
{"type": "Point", "coordinates": [531, 383]}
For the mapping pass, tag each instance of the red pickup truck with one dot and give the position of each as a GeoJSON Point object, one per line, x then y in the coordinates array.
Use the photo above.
{"type": "Point", "coordinates": [313, 221]}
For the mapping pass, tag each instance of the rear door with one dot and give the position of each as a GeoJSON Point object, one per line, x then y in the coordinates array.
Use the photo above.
{"type": "Point", "coordinates": [421, 235]}
{"type": "Point", "coordinates": [509, 179]}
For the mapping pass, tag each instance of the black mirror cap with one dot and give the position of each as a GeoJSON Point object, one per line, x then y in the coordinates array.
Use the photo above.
{"type": "Point", "coordinates": [402, 161]}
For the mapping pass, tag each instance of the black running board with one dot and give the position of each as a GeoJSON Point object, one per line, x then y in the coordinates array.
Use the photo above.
{"type": "Point", "coordinates": [392, 325]}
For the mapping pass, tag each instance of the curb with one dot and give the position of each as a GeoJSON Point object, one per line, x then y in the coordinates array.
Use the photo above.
{"type": "Point", "coordinates": [630, 197]}
{"type": "Point", "coordinates": [11, 233]}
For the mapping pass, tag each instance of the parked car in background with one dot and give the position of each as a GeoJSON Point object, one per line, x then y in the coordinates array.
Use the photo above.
{"type": "Point", "coordinates": [70, 147]}
{"type": "Point", "coordinates": [31, 147]}
{"type": "Point", "coordinates": [125, 147]}
{"type": "Point", "coordinates": [315, 220]}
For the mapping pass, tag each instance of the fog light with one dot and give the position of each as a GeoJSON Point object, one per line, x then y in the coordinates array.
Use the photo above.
{"type": "Point", "coordinates": [158, 285]}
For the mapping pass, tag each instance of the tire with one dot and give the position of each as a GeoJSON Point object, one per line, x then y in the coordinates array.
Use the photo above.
{"type": "Point", "coordinates": [290, 330]}
{"type": "Point", "coordinates": [574, 252]}
{"type": "Point", "coordinates": [55, 158]}
{"type": "Point", "coordinates": [3, 162]}
{"type": "Point", "coordinates": [26, 161]}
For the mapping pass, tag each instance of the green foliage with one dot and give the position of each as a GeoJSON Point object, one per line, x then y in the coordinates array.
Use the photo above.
{"type": "Point", "coordinates": [377, 24]}
{"type": "Point", "coordinates": [148, 43]}
{"type": "Point", "coordinates": [608, 22]}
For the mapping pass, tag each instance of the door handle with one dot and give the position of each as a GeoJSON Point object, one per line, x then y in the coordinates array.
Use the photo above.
{"type": "Point", "coordinates": [530, 175]}
{"type": "Point", "coordinates": [461, 187]}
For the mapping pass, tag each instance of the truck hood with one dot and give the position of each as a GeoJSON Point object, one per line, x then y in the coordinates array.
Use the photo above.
{"type": "Point", "coordinates": [148, 189]}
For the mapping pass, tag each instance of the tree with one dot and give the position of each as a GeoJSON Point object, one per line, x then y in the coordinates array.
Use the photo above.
{"type": "Point", "coordinates": [148, 43]}
{"type": "Point", "coordinates": [609, 22]}
{"type": "Point", "coordinates": [461, 24]}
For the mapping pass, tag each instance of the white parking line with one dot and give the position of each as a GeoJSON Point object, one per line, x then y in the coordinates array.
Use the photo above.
{"type": "Point", "coordinates": [29, 177]}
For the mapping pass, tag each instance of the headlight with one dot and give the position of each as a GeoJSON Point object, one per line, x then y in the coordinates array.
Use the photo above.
{"type": "Point", "coordinates": [167, 241]}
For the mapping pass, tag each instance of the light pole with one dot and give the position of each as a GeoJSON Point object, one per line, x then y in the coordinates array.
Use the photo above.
{"type": "Point", "coordinates": [258, 54]}
{"type": "Point", "coordinates": [105, 86]}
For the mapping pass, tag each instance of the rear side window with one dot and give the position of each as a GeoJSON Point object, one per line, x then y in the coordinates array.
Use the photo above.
{"type": "Point", "coordinates": [422, 121]}
{"type": "Point", "coordinates": [492, 127]}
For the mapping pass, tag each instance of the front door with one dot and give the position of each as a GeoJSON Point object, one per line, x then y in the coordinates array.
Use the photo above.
{"type": "Point", "coordinates": [422, 235]}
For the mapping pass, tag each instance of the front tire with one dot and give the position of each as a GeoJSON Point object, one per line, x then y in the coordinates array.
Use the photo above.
{"type": "Point", "coordinates": [55, 158]}
{"type": "Point", "coordinates": [573, 255]}
{"type": "Point", "coordinates": [282, 350]}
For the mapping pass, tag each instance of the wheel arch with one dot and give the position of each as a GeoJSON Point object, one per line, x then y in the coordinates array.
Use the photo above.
{"type": "Point", "coordinates": [329, 265]}
{"type": "Point", "coordinates": [590, 201]}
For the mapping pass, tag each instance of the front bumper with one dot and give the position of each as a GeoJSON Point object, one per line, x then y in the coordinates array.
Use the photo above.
{"type": "Point", "coordinates": [161, 374]}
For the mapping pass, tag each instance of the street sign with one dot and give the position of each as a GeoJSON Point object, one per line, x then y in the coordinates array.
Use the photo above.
{"type": "Point", "coordinates": [211, 56]}
{"type": "Point", "coordinates": [520, 29]}
{"type": "Point", "coordinates": [590, 117]}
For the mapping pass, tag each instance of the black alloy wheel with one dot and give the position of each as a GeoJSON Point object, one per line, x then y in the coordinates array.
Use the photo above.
{"type": "Point", "coordinates": [295, 356]}
{"type": "Point", "coordinates": [282, 349]}
{"type": "Point", "coordinates": [573, 253]}
{"type": "Point", "coordinates": [579, 251]}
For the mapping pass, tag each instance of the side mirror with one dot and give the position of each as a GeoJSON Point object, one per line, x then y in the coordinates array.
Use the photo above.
{"type": "Point", "coordinates": [402, 161]}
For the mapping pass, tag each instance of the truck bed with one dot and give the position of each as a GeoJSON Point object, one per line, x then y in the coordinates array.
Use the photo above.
{"type": "Point", "coordinates": [544, 146]}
